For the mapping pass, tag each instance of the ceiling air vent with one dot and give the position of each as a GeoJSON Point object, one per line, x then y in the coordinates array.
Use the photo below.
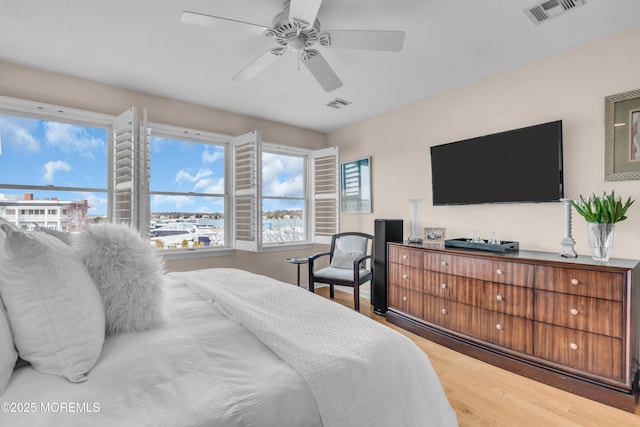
{"type": "Point", "coordinates": [550, 9]}
{"type": "Point", "coordinates": [338, 103]}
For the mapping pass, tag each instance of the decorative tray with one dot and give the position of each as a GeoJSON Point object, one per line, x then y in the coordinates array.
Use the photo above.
{"type": "Point", "coordinates": [484, 245]}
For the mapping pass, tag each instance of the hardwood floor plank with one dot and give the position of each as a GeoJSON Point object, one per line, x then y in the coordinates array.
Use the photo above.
{"type": "Point", "coordinates": [484, 395]}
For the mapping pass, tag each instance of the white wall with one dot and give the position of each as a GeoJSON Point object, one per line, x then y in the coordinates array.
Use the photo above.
{"type": "Point", "coordinates": [570, 86]}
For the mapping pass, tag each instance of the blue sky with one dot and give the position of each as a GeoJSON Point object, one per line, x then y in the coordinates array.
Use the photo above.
{"type": "Point", "coordinates": [37, 152]}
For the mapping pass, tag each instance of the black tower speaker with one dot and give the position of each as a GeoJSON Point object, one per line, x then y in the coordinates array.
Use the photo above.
{"type": "Point", "coordinates": [385, 231]}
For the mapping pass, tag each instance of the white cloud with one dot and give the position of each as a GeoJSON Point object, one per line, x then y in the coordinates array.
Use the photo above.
{"type": "Point", "coordinates": [183, 175]}
{"type": "Point", "coordinates": [71, 139]}
{"type": "Point", "coordinates": [211, 157]}
{"type": "Point", "coordinates": [282, 176]}
{"type": "Point", "coordinates": [16, 133]}
{"type": "Point", "coordinates": [210, 185]}
{"type": "Point", "coordinates": [203, 181]}
{"type": "Point", "coordinates": [50, 168]}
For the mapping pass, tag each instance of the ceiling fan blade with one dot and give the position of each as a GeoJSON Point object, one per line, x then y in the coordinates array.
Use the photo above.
{"type": "Point", "coordinates": [222, 23]}
{"type": "Point", "coordinates": [320, 69]}
{"type": "Point", "coordinates": [304, 11]}
{"type": "Point", "coordinates": [363, 39]}
{"type": "Point", "coordinates": [260, 64]}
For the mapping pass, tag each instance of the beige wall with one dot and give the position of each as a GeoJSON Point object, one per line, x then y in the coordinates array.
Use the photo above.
{"type": "Point", "coordinates": [570, 86]}
{"type": "Point", "coordinates": [37, 85]}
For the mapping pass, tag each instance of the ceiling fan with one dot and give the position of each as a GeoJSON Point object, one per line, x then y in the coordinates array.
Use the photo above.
{"type": "Point", "coordinates": [296, 28]}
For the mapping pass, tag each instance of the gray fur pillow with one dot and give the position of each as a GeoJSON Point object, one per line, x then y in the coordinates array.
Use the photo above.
{"type": "Point", "coordinates": [128, 273]}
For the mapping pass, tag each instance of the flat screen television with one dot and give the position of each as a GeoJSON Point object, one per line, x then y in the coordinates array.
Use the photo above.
{"type": "Point", "coordinates": [516, 166]}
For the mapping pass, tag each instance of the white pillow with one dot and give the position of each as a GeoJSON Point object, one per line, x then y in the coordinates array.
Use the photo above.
{"type": "Point", "coordinates": [61, 235]}
{"type": "Point", "coordinates": [127, 271]}
{"type": "Point", "coordinates": [6, 221]}
{"type": "Point", "coordinates": [344, 259]}
{"type": "Point", "coordinates": [8, 353]}
{"type": "Point", "coordinates": [347, 250]}
{"type": "Point", "coordinates": [55, 310]}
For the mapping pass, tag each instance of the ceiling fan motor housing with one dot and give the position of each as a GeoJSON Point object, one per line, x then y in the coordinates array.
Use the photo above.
{"type": "Point", "coordinates": [294, 35]}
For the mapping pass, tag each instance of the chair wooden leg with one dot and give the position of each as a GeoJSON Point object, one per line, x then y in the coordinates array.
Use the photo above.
{"type": "Point", "coordinates": [331, 293]}
{"type": "Point", "coordinates": [356, 298]}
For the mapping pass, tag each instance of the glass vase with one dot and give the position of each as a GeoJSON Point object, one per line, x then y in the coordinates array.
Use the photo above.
{"type": "Point", "coordinates": [601, 240]}
{"type": "Point", "coordinates": [415, 236]}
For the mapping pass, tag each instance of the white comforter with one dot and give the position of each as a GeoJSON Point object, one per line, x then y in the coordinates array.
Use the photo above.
{"type": "Point", "coordinates": [239, 349]}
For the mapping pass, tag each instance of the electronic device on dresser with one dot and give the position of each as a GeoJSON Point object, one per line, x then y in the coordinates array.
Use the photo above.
{"type": "Point", "coordinates": [573, 324]}
{"type": "Point", "coordinates": [385, 231]}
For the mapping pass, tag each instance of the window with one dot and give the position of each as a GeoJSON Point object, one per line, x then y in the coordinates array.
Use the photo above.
{"type": "Point", "coordinates": [188, 189]}
{"type": "Point", "coordinates": [52, 159]}
{"type": "Point", "coordinates": [284, 196]}
{"type": "Point", "coordinates": [271, 191]}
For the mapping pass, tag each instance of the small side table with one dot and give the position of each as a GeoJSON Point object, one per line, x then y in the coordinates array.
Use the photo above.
{"type": "Point", "coordinates": [297, 261]}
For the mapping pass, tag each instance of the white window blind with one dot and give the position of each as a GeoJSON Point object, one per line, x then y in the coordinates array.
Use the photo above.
{"type": "Point", "coordinates": [130, 171]}
{"type": "Point", "coordinates": [247, 176]}
{"type": "Point", "coordinates": [325, 183]}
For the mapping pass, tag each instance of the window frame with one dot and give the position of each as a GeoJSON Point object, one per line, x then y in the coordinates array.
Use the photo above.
{"type": "Point", "coordinates": [161, 130]}
{"type": "Point", "coordinates": [306, 155]}
{"type": "Point", "coordinates": [47, 112]}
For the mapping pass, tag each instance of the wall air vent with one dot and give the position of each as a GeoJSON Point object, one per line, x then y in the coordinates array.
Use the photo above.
{"type": "Point", "coordinates": [338, 103]}
{"type": "Point", "coordinates": [550, 9]}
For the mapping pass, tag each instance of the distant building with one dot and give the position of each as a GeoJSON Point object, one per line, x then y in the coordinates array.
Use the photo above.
{"type": "Point", "coordinates": [29, 212]}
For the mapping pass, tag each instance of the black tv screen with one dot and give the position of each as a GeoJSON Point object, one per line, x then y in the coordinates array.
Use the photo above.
{"type": "Point", "coordinates": [521, 165]}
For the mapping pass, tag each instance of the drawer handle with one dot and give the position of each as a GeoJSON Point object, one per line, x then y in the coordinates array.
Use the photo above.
{"type": "Point", "coordinates": [404, 299]}
{"type": "Point", "coordinates": [443, 311]}
{"type": "Point", "coordinates": [499, 271]}
{"type": "Point", "coordinates": [573, 346]}
{"type": "Point", "coordinates": [575, 282]}
{"type": "Point", "coordinates": [574, 311]}
{"type": "Point", "coordinates": [500, 298]}
{"type": "Point", "coordinates": [405, 257]}
{"type": "Point", "coordinates": [443, 263]}
{"type": "Point", "coordinates": [443, 286]}
{"type": "Point", "coordinates": [499, 327]}
{"type": "Point", "coordinates": [405, 276]}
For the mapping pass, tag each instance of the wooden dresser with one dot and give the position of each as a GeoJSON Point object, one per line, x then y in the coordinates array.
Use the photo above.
{"type": "Point", "coordinates": [570, 323]}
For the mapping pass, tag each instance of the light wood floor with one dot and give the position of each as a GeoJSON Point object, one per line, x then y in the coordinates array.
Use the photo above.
{"type": "Point", "coordinates": [484, 395]}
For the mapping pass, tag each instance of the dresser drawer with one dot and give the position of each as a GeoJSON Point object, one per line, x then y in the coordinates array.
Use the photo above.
{"type": "Point", "coordinates": [501, 329]}
{"type": "Point", "coordinates": [406, 277]}
{"type": "Point", "coordinates": [513, 300]}
{"type": "Point", "coordinates": [587, 314]}
{"type": "Point", "coordinates": [405, 256]}
{"type": "Point", "coordinates": [499, 271]}
{"type": "Point", "coordinates": [591, 353]}
{"type": "Point", "coordinates": [589, 283]}
{"type": "Point", "coordinates": [406, 301]}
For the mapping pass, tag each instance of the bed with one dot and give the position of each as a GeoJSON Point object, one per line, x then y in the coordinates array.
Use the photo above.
{"type": "Point", "coordinates": [232, 348]}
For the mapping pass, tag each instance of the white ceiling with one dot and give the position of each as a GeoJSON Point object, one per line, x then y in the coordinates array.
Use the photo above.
{"type": "Point", "coordinates": [142, 45]}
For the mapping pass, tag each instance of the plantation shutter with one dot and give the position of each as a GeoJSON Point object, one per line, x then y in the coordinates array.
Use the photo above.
{"type": "Point", "coordinates": [325, 194]}
{"type": "Point", "coordinates": [247, 186]}
{"type": "Point", "coordinates": [129, 174]}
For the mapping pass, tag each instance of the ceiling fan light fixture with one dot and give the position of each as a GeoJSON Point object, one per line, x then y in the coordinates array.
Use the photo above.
{"type": "Point", "coordinates": [296, 42]}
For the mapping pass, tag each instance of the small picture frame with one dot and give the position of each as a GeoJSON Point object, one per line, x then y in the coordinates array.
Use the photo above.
{"type": "Point", "coordinates": [434, 236]}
